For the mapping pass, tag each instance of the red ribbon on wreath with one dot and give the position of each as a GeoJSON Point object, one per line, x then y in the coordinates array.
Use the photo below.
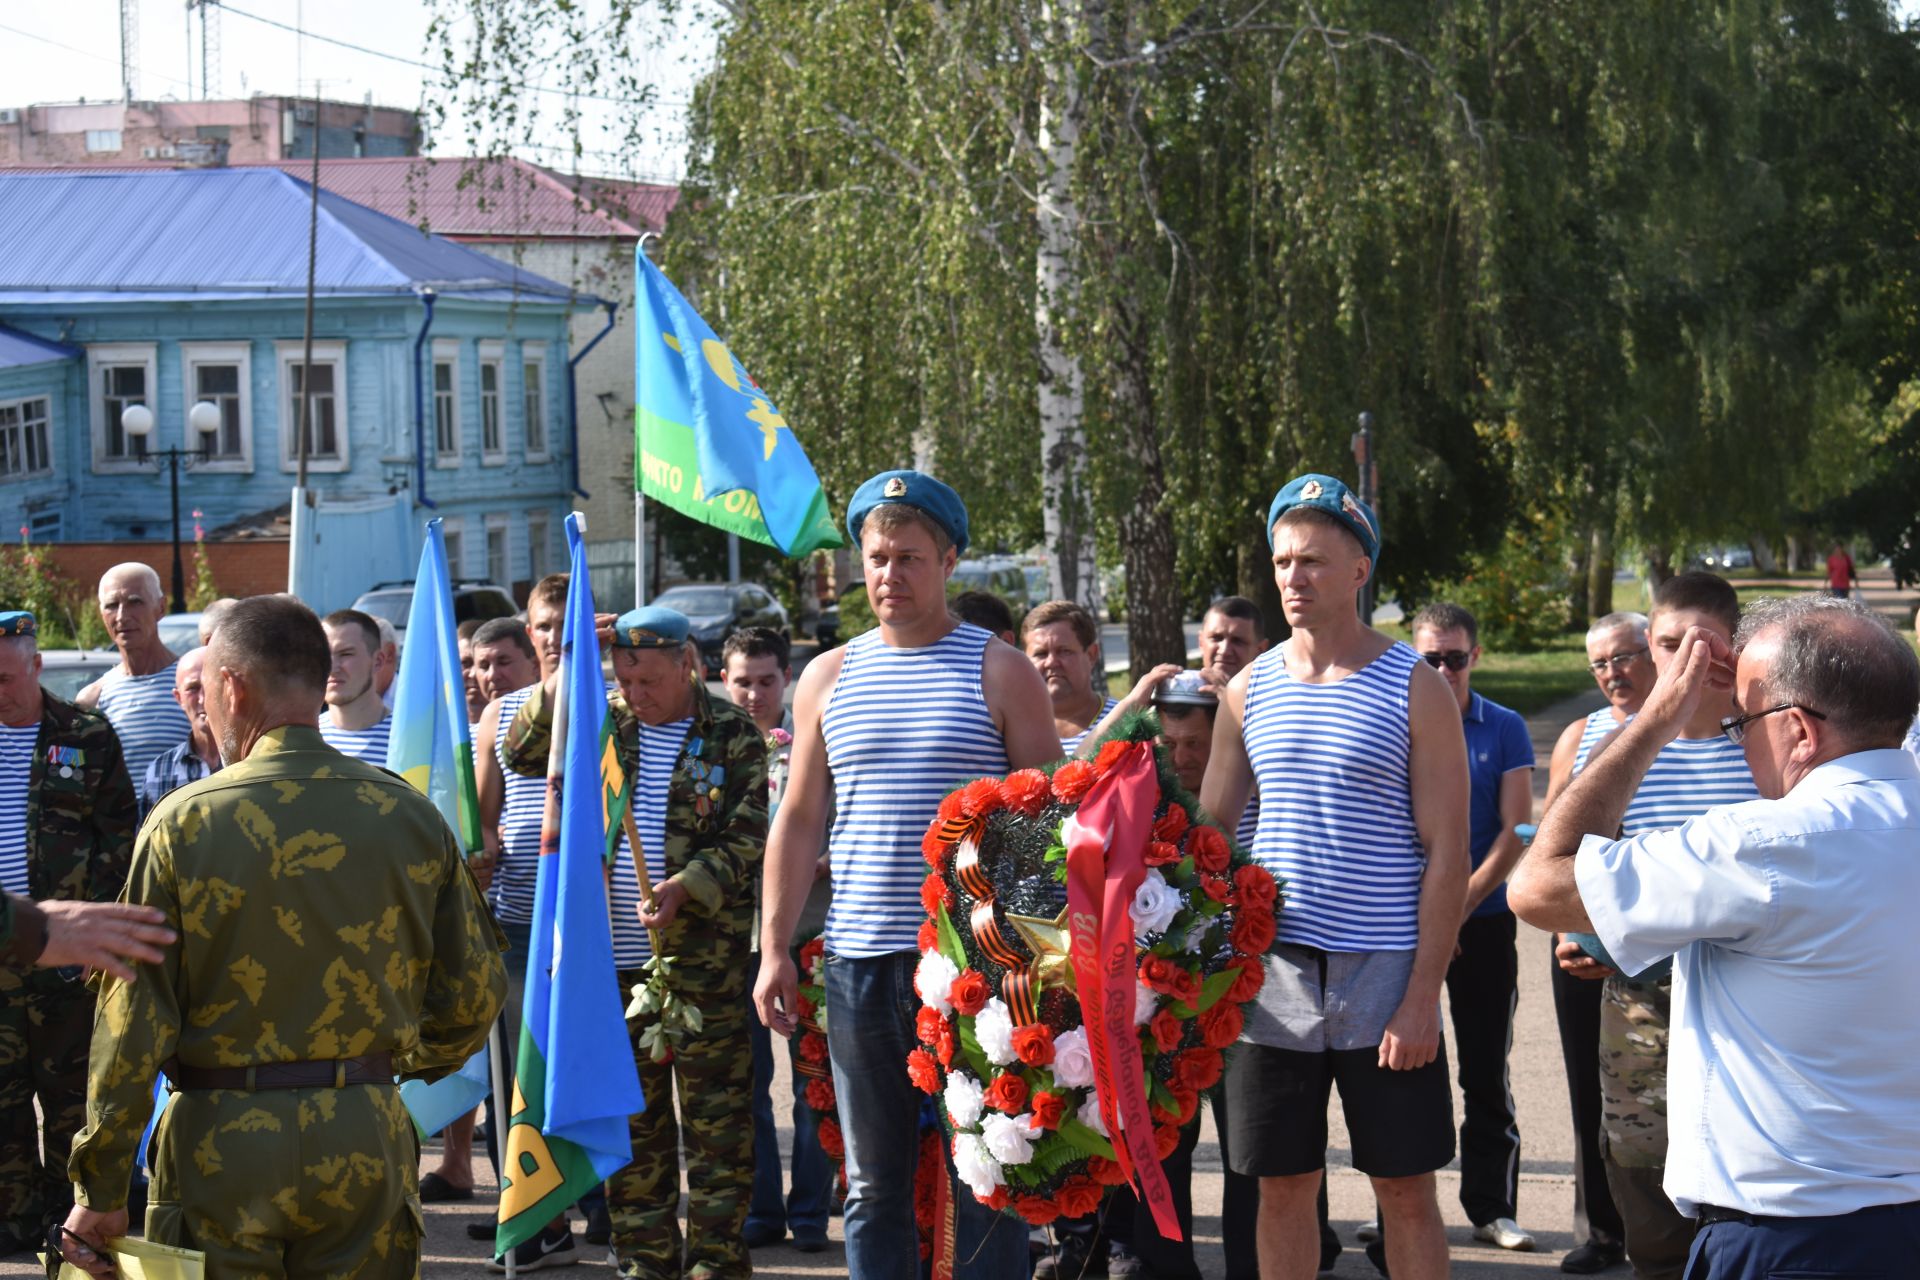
{"type": "Point", "coordinates": [1106, 861]}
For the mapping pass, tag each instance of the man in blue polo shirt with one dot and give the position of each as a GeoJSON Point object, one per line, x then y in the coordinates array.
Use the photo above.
{"type": "Point", "coordinates": [1483, 980]}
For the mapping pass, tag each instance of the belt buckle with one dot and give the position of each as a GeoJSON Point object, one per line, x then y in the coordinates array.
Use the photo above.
{"type": "Point", "coordinates": [340, 1073]}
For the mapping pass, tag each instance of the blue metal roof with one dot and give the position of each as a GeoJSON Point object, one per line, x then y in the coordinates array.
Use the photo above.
{"type": "Point", "coordinates": [17, 349]}
{"type": "Point", "coordinates": [183, 235]}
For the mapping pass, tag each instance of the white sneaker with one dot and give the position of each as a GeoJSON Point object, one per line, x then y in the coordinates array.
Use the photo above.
{"type": "Point", "coordinates": [1367, 1232]}
{"type": "Point", "coordinates": [1504, 1233]}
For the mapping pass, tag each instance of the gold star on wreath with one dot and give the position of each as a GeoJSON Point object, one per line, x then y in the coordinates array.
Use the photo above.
{"type": "Point", "coordinates": [1051, 942]}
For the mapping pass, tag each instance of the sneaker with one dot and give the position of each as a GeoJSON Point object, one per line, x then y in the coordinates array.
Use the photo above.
{"type": "Point", "coordinates": [1367, 1232]}
{"type": "Point", "coordinates": [1504, 1233]}
{"type": "Point", "coordinates": [553, 1247]}
{"type": "Point", "coordinates": [1069, 1262]}
{"type": "Point", "coordinates": [1124, 1264]}
{"type": "Point", "coordinates": [758, 1235]}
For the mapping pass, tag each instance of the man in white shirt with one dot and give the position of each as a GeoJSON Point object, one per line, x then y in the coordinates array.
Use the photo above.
{"type": "Point", "coordinates": [1793, 1098]}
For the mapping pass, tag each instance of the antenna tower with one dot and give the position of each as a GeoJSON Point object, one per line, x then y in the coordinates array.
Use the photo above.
{"type": "Point", "coordinates": [129, 49]}
{"type": "Point", "coordinates": [209, 46]}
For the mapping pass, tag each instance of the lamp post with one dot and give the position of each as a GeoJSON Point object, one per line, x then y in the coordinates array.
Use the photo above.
{"type": "Point", "coordinates": [1369, 484]}
{"type": "Point", "coordinates": [203, 420]}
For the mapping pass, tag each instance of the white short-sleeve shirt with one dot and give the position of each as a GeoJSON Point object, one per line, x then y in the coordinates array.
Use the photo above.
{"type": "Point", "coordinates": [1793, 1073]}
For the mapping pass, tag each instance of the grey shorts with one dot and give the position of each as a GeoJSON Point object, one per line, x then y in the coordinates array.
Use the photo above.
{"type": "Point", "coordinates": [1315, 1000]}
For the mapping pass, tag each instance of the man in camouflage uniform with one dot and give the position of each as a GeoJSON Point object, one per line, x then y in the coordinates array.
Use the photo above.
{"type": "Point", "coordinates": [332, 938]}
{"type": "Point", "coordinates": [67, 817]}
{"type": "Point", "coordinates": [705, 877]}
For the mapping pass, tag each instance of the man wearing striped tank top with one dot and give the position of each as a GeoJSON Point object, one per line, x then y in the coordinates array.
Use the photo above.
{"type": "Point", "coordinates": [1064, 646]}
{"type": "Point", "coordinates": [136, 696]}
{"type": "Point", "coordinates": [356, 722]}
{"type": "Point", "coordinates": [1617, 654]}
{"type": "Point", "coordinates": [1357, 751]}
{"type": "Point", "coordinates": [883, 728]}
{"type": "Point", "coordinates": [1695, 772]}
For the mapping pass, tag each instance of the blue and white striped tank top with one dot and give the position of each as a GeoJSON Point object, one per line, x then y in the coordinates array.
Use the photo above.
{"type": "Point", "coordinates": [16, 767]}
{"type": "Point", "coordinates": [660, 747]}
{"type": "Point", "coordinates": [1336, 814]}
{"type": "Point", "coordinates": [1688, 777]}
{"type": "Point", "coordinates": [1069, 745]}
{"type": "Point", "coordinates": [523, 805]}
{"type": "Point", "coordinates": [144, 715]}
{"type": "Point", "coordinates": [903, 727]}
{"type": "Point", "coordinates": [1598, 725]}
{"type": "Point", "coordinates": [368, 745]}
{"type": "Point", "coordinates": [1249, 822]}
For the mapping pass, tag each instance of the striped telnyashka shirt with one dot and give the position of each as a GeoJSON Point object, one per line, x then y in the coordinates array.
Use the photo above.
{"type": "Point", "coordinates": [1331, 763]}
{"type": "Point", "coordinates": [660, 747]}
{"type": "Point", "coordinates": [903, 727]}
{"type": "Point", "coordinates": [1598, 725]}
{"type": "Point", "coordinates": [1688, 777]}
{"type": "Point", "coordinates": [16, 766]}
{"type": "Point", "coordinates": [368, 745]}
{"type": "Point", "coordinates": [1069, 745]}
{"type": "Point", "coordinates": [523, 805]}
{"type": "Point", "coordinates": [144, 715]}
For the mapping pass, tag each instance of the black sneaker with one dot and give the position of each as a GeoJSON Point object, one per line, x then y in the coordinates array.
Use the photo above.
{"type": "Point", "coordinates": [553, 1247]}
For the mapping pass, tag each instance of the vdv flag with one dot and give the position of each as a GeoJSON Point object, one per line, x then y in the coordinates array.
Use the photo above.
{"type": "Point", "coordinates": [431, 747]}
{"type": "Point", "coordinates": [575, 1082]}
{"type": "Point", "coordinates": [708, 441]}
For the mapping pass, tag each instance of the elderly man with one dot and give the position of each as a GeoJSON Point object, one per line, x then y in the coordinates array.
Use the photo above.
{"type": "Point", "coordinates": [1795, 1116]}
{"type": "Point", "coordinates": [1063, 644]}
{"type": "Point", "coordinates": [67, 817]}
{"type": "Point", "coordinates": [699, 771]}
{"type": "Point", "coordinates": [211, 615]}
{"type": "Point", "coordinates": [332, 938]}
{"type": "Point", "coordinates": [194, 758]}
{"type": "Point", "coordinates": [136, 696]}
{"type": "Point", "coordinates": [357, 723]}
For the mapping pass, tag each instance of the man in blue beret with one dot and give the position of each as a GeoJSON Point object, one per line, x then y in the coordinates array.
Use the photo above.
{"type": "Point", "coordinates": [699, 771]}
{"type": "Point", "coordinates": [1367, 826]}
{"type": "Point", "coordinates": [884, 727]}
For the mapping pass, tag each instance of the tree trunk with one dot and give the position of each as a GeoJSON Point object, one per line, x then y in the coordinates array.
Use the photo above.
{"type": "Point", "coordinates": [1155, 630]}
{"type": "Point", "coordinates": [1577, 580]}
{"type": "Point", "coordinates": [1763, 559]}
{"type": "Point", "coordinates": [1600, 571]}
{"type": "Point", "coordinates": [1659, 565]}
{"type": "Point", "coordinates": [1254, 580]}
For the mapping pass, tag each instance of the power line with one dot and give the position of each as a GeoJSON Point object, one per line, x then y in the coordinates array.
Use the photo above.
{"type": "Point", "coordinates": [85, 53]}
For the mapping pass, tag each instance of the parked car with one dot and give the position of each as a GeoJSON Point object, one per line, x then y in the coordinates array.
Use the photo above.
{"type": "Point", "coordinates": [180, 632]}
{"type": "Point", "coordinates": [1004, 578]}
{"type": "Point", "coordinates": [718, 609]}
{"type": "Point", "coordinates": [66, 672]}
{"type": "Point", "coordinates": [482, 600]}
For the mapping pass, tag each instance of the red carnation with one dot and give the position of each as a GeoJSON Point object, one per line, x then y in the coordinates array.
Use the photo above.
{"type": "Point", "coordinates": [1210, 850]}
{"type": "Point", "coordinates": [1162, 854]}
{"type": "Point", "coordinates": [813, 1048]}
{"type": "Point", "coordinates": [1187, 1099]}
{"type": "Point", "coordinates": [1158, 973]}
{"type": "Point", "coordinates": [1254, 886]}
{"type": "Point", "coordinates": [1198, 1068]}
{"type": "Point", "coordinates": [815, 949]}
{"type": "Point", "coordinates": [945, 1046]}
{"type": "Point", "coordinates": [803, 1006]}
{"type": "Point", "coordinates": [998, 1200]}
{"type": "Point", "coordinates": [1171, 825]}
{"type": "Point", "coordinates": [1077, 1197]}
{"type": "Point", "coordinates": [1220, 1026]}
{"type": "Point", "coordinates": [969, 993]}
{"type": "Point", "coordinates": [1037, 1210]}
{"type": "Point", "coordinates": [934, 849]}
{"type": "Point", "coordinates": [1186, 987]}
{"type": "Point", "coordinates": [980, 797]}
{"type": "Point", "coordinates": [1213, 886]}
{"type": "Point", "coordinates": [927, 1024]}
{"type": "Point", "coordinates": [1072, 780]}
{"type": "Point", "coordinates": [934, 894]}
{"type": "Point", "coordinates": [1252, 931]}
{"type": "Point", "coordinates": [949, 808]}
{"type": "Point", "coordinates": [1109, 755]}
{"type": "Point", "coordinates": [1007, 1093]}
{"type": "Point", "coordinates": [831, 1140]}
{"type": "Point", "coordinates": [1049, 1109]}
{"type": "Point", "coordinates": [1104, 1171]}
{"type": "Point", "coordinates": [1159, 1113]}
{"type": "Point", "coordinates": [1166, 1029]}
{"type": "Point", "coordinates": [820, 1095]}
{"type": "Point", "coordinates": [1165, 1138]}
{"type": "Point", "coordinates": [1026, 792]}
{"type": "Point", "coordinates": [923, 1071]}
{"type": "Point", "coordinates": [1253, 975]}
{"type": "Point", "coordinates": [928, 938]}
{"type": "Point", "coordinates": [1032, 1044]}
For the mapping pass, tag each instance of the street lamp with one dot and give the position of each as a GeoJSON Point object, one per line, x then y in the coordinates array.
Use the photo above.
{"type": "Point", "coordinates": [202, 420]}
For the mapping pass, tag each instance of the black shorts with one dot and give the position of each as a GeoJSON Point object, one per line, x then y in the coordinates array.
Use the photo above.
{"type": "Point", "coordinates": [1401, 1122]}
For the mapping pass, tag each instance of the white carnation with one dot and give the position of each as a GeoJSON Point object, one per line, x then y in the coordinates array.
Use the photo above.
{"type": "Point", "coordinates": [934, 980]}
{"type": "Point", "coordinates": [976, 1167]}
{"type": "Point", "coordinates": [964, 1100]}
{"type": "Point", "coordinates": [1072, 1059]}
{"type": "Point", "coordinates": [994, 1027]}
{"type": "Point", "coordinates": [1008, 1138]}
{"type": "Point", "coordinates": [1146, 1002]}
{"type": "Point", "coordinates": [1155, 904]}
{"type": "Point", "coordinates": [1090, 1115]}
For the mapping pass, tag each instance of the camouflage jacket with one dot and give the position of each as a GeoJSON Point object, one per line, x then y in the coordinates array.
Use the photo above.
{"type": "Point", "coordinates": [81, 817]}
{"type": "Point", "coordinates": [716, 823]}
{"type": "Point", "coordinates": [324, 912]}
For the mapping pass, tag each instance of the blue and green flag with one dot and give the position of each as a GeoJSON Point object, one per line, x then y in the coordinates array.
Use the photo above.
{"type": "Point", "coordinates": [708, 442]}
{"type": "Point", "coordinates": [575, 1083]}
{"type": "Point", "coordinates": [432, 748]}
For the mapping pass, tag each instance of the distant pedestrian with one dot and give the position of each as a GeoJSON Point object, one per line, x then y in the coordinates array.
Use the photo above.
{"type": "Point", "coordinates": [986, 611]}
{"type": "Point", "coordinates": [197, 756]}
{"type": "Point", "coordinates": [136, 696]}
{"type": "Point", "coordinates": [1063, 643]}
{"type": "Point", "coordinates": [1233, 632]}
{"type": "Point", "coordinates": [357, 723]}
{"type": "Point", "coordinates": [1841, 577]}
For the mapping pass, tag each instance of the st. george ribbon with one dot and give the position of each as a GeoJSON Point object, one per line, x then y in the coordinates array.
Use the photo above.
{"type": "Point", "coordinates": [1106, 860]}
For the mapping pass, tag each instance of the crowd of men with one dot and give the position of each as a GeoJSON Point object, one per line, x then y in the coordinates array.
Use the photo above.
{"type": "Point", "coordinates": [1724, 853]}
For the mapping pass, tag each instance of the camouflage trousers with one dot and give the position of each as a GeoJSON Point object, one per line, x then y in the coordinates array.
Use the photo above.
{"type": "Point", "coordinates": [45, 1027]}
{"type": "Point", "coordinates": [290, 1182]}
{"type": "Point", "coordinates": [712, 1075]}
{"type": "Point", "coordinates": [1633, 1071]}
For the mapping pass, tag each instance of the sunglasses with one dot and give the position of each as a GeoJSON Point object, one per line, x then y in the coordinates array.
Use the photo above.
{"type": "Point", "coordinates": [1452, 659]}
{"type": "Point", "coordinates": [1735, 727]}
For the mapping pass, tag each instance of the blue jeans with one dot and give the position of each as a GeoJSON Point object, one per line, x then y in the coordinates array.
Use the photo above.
{"type": "Point", "coordinates": [870, 1010]}
{"type": "Point", "coordinates": [804, 1210]}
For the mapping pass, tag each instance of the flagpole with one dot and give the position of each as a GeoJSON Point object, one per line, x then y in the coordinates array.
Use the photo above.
{"type": "Point", "coordinates": [639, 548]}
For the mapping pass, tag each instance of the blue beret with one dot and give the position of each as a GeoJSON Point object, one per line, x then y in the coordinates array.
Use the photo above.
{"type": "Point", "coordinates": [18, 622]}
{"type": "Point", "coordinates": [650, 627]}
{"type": "Point", "coordinates": [1324, 493]}
{"type": "Point", "coordinates": [910, 489]}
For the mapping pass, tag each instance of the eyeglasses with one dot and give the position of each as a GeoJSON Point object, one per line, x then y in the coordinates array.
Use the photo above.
{"type": "Point", "coordinates": [1735, 727]}
{"type": "Point", "coordinates": [1452, 659]}
{"type": "Point", "coordinates": [1618, 662]}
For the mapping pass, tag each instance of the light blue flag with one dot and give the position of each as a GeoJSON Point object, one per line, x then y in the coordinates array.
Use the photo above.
{"type": "Point", "coordinates": [432, 747]}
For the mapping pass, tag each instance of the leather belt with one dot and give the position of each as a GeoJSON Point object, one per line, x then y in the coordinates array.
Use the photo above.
{"type": "Point", "coordinates": [372, 1068]}
{"type": "Point", "coordinates": [1709, 1214]}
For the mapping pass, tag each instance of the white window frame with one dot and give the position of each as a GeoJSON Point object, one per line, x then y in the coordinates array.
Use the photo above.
{"type": "Point", "coordinates": [493, 356]}
{"type": "Point", "coordinates": [533, 355]}
{"type": "Point", "coordinates": [19, 447]}
{"type": "Point", "coordinates": [102, 141]}
{"type": "Point", "coordinates": [111, 355]}
{"type": "Point", "coordinates": [288, 358]}
{"type": "Point", "coordinates": [502, 525]}
{"type": "Point", "coordinates": [453, 537]}
{"type": "Point", "coordinates": [539, 543]}
{"type": "Point", "coordinates": [446, 351]}
{"type": "Point", "coordinates": [192, 356]}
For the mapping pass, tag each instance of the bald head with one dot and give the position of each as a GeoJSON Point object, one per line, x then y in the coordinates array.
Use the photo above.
{"type": "Point", "coordinates": [131, 579]}
{"type": "Point", "coordinates": [1839, 658]}
{"type": "Point", "coordinates": [189, 690]}
{"type": "Point", "coordinates": [131, 606]}
{"type": "Point", "coordinates": [189, 668]}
